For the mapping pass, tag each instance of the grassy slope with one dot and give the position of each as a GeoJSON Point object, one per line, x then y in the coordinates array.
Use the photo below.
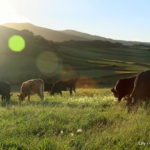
{"type": "Point", "coordinates": [17, 67]}
{"type": "Point", "coordinates": [104, 62]}
{"type": "Point", "coordinates": [101, 62]}
{"type": "Point", "coordinates": [48, 34]}
{"type": "Point", "coordinates": [91, 120]}
{"type": "Point", "coordinates": [65, 35]}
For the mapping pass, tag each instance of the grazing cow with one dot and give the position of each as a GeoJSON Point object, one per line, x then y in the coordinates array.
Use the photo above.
{"type": "Point", "coordinates": [141, 90]}
{"type": "Point", "coordinates": [5, 90]}
{"type": "Point", "coordinates": [33, 86]}
{"type": "Point", "coordinates": [123, 87]}
{"type": "Point", "coordinates": [59, 86]}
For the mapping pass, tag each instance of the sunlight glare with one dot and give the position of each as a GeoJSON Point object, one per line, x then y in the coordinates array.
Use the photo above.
{"type": "Point", "coordinates": [8, 14]}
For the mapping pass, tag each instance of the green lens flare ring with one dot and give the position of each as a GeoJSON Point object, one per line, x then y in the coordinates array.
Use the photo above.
{"type": "Point", "coordinates": [16, 43]}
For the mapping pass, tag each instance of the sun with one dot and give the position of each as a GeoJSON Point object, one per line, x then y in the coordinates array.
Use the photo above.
{"type": "Point", "coordinates": [9, 14]}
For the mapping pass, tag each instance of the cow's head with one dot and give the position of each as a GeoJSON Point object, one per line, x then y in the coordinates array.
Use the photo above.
{"type": "Point", "coordinates": [21, 96]}
{"type": "Point", "coordinates": [115, 93]}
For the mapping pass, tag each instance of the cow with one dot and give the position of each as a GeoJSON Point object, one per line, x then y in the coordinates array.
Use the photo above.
{"type": "Point", "coordinates": [33, 86]}
{"type": "Point", "coordinates": [5, 90]}
{"type": "Point", "coordinates": [141, 90]}
{"type": "Point", "coordinates": [60, 86]}
{"type": "Point", "coordinates": [123, 87]}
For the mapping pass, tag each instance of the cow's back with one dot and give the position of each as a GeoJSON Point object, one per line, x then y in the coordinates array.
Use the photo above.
{"type": "Point", "coordinates": [32, 86]}
{"type": "Point", "coordinates": [60, 85]}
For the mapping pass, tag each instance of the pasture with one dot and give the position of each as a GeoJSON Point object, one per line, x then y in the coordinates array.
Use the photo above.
{"type": "Point", "coordinates": [90, 120]}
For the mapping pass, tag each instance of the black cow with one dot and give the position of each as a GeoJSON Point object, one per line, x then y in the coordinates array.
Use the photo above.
{"type": "Point", "coordinates": [141, 90]}
{"type": "Point", "coordinates": [123, 87]}
{"type": "Point", "coordinates": [5, 90]}
{"type": "Point", "coordinates": [59, 86]}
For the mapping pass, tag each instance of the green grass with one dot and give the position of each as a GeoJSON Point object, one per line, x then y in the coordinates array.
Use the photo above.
{"type": "Point", "coordinates": [98, 62]}
{"type": "Point", "coordinates": [90, 120]}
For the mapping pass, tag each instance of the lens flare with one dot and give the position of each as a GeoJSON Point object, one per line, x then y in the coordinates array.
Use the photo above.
{"type": "Point", "coordinates": [48, 63]}
{"type": "Point", "coordinates": [16, 43]}
{"type": "Point", "coordinates": [67, 72]}
{"type": "Point", "coordinates": [86, 82]}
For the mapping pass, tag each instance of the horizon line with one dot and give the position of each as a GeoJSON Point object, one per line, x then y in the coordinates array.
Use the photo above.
{"type": "Point", "coordinates": [46, 27]}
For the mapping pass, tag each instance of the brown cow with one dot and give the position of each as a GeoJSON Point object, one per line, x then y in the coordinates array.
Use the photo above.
{"type": "Point", "coordinates": [33, 86]}
{"type": "Point", "coordinates": [123, 87]}
{"type": "Point", "coordinates": [141, 90]}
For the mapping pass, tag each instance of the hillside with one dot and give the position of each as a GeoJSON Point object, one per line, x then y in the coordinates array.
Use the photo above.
{"type": "Point", "coordinates": [99, 63]}
{"type": "Point", "coordinates": [61, 36]}
{"type": "Point", "coordinates": [16, 67]}
{"type": "Point", "coordinates": [48, 34]}
{"type": "Point", "coordinates": [103, 61]}
{"type": "Point", "coordinates": [66, 35]}
{"type": "Point", "coordinates": [85, 35]}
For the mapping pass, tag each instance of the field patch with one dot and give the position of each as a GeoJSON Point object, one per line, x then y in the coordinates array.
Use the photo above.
{"type": "Point", "coordinates": [90, 120]}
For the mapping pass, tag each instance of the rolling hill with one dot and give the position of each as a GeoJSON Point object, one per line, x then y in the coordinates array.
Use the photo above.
{"type": "Point", "coordinates": [100, 63]}
{"type": "Point", "coordinates": [66, 35]}
{"type": "Point", "coordinates": [52, 35]}
{"type": "Point", "coordinates": [60, 36]}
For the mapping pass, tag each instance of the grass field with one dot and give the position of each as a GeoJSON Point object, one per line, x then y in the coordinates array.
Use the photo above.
{"type": "Point", "coordinates": [90, 120]}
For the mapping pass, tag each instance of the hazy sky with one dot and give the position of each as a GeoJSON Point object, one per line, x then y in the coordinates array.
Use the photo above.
{"type": "Point", "coordinates": [117, 19]}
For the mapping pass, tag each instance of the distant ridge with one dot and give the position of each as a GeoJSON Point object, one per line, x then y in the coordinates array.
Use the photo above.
{"type": "Point", "coordinates": [85, 35]}
{"type": "Point", "coordinates": [52, 35]}
{"type": "Point", "coordinates": [65, 35]}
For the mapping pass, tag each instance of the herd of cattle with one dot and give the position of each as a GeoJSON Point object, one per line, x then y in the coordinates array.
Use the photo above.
{"type": "Point", "coordinates": [134, 89]}
{"type": "Point", "coordinates": [38, 86]}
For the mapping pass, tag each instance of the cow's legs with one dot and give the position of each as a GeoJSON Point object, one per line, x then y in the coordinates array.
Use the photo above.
{"type": "Point", "coordinates": [74, 89]}
{"type": "Point", "coordinates": [130, 104]}
{"type": "Point", "coordinates": [3, 97]}
{"type": "Point", "coordinates": [29, 97]}
{"type": "Point", "coordinates": [70, 91]}
{"type": "Point", "coordinates": [41, 92]}
{"type": "Point", "coordinates": [41, 95]}
{"type": "Point", "coordinates": [60, 93]}
{"type": "Point", "coordinates": [135, 104]}
{"type": "Point", "coordinates": [146, 103]}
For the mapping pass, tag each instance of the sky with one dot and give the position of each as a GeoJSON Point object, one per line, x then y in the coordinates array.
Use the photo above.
{"type": "Point", "coordinates": [116, 19]}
